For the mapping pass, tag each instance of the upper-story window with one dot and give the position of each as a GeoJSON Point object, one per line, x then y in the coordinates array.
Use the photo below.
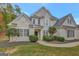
{"type": "Point", "coordinates": [33, 21]}
{"type": "Point", "coordinates": [46, 22]}
{"type": "Point", "coordinates": [69, 21]}
{"type": "Point", "coordinates": [38, 21]}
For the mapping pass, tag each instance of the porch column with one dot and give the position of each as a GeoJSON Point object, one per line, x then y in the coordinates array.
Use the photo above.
{"type": "Point", "coordinates": [41, 35]}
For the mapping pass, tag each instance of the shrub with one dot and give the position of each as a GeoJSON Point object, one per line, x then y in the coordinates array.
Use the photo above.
{"type": "Point", "coordinates": [33, 38]}
{"type": "Point", "coordinates": [51, 37]}
{"type": "Point", "coordinates": [61, 39]}
{"type": "Point", "coordinates": [47, 38]}
{"type": "Point", "coordinates": [55, 37]}
{"type": "Point", "coordinates": [58, 38]}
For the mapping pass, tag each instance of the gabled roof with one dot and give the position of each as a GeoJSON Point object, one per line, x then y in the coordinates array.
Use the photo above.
{"type": "Point", "coordinates": [61, 20]}
{"type": "Point", "coordinates": [19, 16]}
{"type": "Point", "coordinates": [43, 8]}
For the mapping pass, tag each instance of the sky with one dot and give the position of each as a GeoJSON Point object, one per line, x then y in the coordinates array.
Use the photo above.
{"type": "Point", "coordinates": [56, 9]}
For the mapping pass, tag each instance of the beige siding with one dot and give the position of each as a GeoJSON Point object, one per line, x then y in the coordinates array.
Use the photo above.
{"type": "Point", "coordinates": [77, 33]}
{"type": "Point", "coordinates": [67, 24]}
{"type": "Point", "coordinates": [63, 33]}
{"type": "Point", "coordinates": [22, 23]}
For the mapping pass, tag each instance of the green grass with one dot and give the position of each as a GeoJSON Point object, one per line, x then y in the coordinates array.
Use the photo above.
{"type": "Point", "coordinates": [39, 50]}
{"type": "Point", "coordinates": [2, 49]}
{"type": "Point", "coordinates": [32, 49]}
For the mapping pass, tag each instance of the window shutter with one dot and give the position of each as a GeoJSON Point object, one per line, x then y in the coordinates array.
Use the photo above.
{"type": "Point", "coordinates": [27, 32]}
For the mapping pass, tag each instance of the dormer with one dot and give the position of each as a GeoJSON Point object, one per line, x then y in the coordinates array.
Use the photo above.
{"type": "Point", "coordinates": [69, 21]}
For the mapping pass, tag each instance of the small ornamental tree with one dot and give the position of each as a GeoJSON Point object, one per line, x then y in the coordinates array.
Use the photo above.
{"type": "Point", "coordinates": [33, 38]}
{"type": "Point", "coordinates": [12, 32]}
{"type": "Point", "coordinates": [52, 30]}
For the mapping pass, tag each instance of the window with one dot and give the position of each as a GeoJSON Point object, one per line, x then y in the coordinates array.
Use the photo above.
{"type": "Point", "coordinates": [17, 31]}
{"type": "Point", "coordinates": [21, 32]}
{"type": "Point", "coordinates": [26, 32]}
{"type": "Point", "coordinates": [69, 21]}
{"type": "Point", "coordinates": [38, 21]}
{"type": "Point", "coordinates": [46, 22]}
{"type": "Point", "coordinates": [33, 21]}
{"type": "Point", "coordinates": [70, 33]}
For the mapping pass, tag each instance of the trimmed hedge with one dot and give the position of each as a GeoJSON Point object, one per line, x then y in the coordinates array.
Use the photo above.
{"type": "Point", "coordinates": [53, 38]}
{"type": "Point", "coordinates": [47, 38]}
{"type": "Point", "coordinates": [33, 38]}
{"type": "Point", "coordinates": [59, 38]}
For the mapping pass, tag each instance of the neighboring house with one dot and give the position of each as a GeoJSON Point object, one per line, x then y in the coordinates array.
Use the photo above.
{"type": "Point", "coordinates": [39, 23]}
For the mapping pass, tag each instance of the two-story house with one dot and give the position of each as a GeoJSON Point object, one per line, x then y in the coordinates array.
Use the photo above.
{"type": "Point", "coordinates": [39, 23]}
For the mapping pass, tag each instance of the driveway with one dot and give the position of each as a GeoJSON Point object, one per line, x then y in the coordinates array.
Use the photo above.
{"type": "Point", "coordinates": [3, 54]}
{"type": "Point", "coordinates": [6, 44]}
{"type": "Point", "coordinates": [70, 44]}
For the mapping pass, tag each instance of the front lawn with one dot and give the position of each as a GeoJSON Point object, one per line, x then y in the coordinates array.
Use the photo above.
{"type": "Point", "coordinates": [34, 49]}
{"type": "Point", "coordinates": [39, 50]}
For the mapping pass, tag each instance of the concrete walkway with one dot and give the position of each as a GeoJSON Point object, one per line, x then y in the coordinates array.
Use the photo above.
{"type": "Point", "coordinates": [71, 44]}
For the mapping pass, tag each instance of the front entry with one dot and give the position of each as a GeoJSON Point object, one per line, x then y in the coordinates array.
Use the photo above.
{"type": "Point", "coordinates": [36, 33]}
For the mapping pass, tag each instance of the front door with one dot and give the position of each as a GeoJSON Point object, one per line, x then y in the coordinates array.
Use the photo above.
{"type": "Point", "coordinates": [36, 33]}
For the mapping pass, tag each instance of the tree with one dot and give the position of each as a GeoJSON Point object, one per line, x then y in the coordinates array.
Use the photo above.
{"type": "Point", "coordinates": [12, 32]}
{"type": "Point", "coordinates": [10, 11]}
{"type": "Point", "coordinates": [8, 15]}
{"type": "Point", "coordinates": [17, 9]}
{"type": "Point", "coordinates": [52, 30]}
{"type": "Point", "coordinates": [0, 28]}
{"type": "Point", "coordinates": [10, 8]}
{"type": "Point", "coordinates": [5, 19]}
